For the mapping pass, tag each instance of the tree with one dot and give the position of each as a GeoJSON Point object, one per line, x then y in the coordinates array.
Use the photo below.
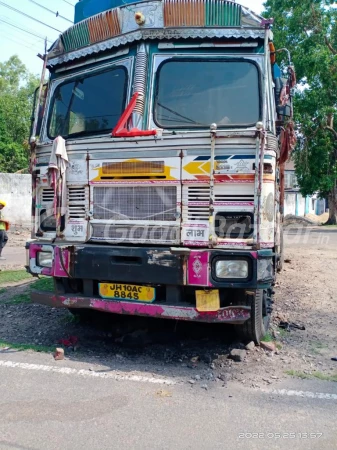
{"type": "Point", "coordinates": [17, 87]}
{"type": "Point", "coordinates": [308, 29]}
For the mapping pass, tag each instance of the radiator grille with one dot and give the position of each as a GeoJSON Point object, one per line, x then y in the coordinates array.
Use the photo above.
{"type": "Point", "coordinates": [198, 200]}
{"type": "Point", "coordinates": [135, 233]}
{"type": "Point", "coordinates": [198, 203]}
{"type": "Point", "coordinates": [135, 203]}
{"type": "Point", "coordinates": [133, 168]}
{"type": "Point", "coordinates": [77, 198]}
{"type": "Point", "coordinates": [47, 195]}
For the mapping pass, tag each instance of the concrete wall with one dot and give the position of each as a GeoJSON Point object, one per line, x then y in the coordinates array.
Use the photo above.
{"type": "Point", "coordinates": [289, 203]}
{"type": "Point", "coordinates": [297, 205]}
{"type": "Point", "coordinates": [16, 191]}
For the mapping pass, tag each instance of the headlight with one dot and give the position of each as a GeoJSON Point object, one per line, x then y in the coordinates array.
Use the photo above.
{"type": "Point", "coordinates": [231, 269]}
{"type": "Point", "coordinates": [44, 259]}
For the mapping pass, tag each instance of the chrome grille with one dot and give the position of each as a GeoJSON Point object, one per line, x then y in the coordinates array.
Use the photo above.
{"type": "Point", "coordinates": [134, 233]}
{"type": "Point", "coordinates": [135, 203]}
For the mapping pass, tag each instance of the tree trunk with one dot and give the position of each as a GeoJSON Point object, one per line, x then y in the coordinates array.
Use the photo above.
{"type": "Point", "coordinates": [332, 207]}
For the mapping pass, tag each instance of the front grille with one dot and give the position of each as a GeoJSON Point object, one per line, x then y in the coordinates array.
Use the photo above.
{"type": "Point", "coordinates": [47, 195]}
{"type": "Point", "coordinates": [135, 233]}
{"type": "Point", "coordinates": [198, 203]}
{"type": "Point", "coordinates": [133, 168]}
{"type": "Point", "coordinates": [77, 200]}
{"type": "Point", "coordinates": [135, 203]}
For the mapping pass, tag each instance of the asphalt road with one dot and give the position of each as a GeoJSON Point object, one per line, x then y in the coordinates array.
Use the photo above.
{"type": "Point", "coordinates": [47, 404]}
{"type": "Point", "coordinates": [66, 405]}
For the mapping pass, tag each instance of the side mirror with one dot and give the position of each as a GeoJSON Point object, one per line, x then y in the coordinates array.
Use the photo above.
{"type": "Point", "coordinates": [42, 104]}
{"type": "Point", "coordinates": [282, 98]}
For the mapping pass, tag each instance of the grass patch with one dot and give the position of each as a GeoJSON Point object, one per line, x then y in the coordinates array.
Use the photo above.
{"type": "Point", "coordinates": [20, 298]}
{"type": "Point", "coordinates": [2, 291]}
{"type": "Point", "coordinates": [13, 276]}
{"type": "Point", "coordinates": [43, 284]}
{"type": "Point", "coordinates": [283, 333]}
{"type": "Point", "coordinates": [22, 347]}
{"type": "Point", "coordinates": [316, 374]}
{"type": "Point", "coordinates": [316, 347]}
{"type": "Point", "coordinates": [267, 337]}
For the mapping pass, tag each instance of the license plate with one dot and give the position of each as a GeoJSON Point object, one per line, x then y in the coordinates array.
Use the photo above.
{"type": "Point", "coordinates": [127, 292]}
{"type": "Point", "coordinates": [207, 300]}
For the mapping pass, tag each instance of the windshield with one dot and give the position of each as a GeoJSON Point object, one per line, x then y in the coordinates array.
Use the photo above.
{"type": "Point", "coordinates": [88, 103]}
{"type": "Point", "coordinates": [196, 93]}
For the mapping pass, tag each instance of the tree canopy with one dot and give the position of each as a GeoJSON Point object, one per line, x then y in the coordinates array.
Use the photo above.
{"type": "Point", "coordinates": [17, 88]}
{"type": "Point", "coordinates": [308, 29]}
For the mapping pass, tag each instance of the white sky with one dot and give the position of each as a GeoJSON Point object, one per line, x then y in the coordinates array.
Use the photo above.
{"type": "Point", "coordinates": [26, 46]}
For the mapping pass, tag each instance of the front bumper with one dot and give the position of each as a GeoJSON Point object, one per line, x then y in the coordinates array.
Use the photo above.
{"type": "Point", "coordinates": [176, 274]}
{"type": "Point", "coordinates": [233, 315]}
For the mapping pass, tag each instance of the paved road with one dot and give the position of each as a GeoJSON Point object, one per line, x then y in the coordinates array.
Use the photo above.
{"type": "Point", "coordinates": [316, 236]}
{"type": "Point", "coordinates": [15, 256]}
{"type": "Point", "coordinates": [63, 405]}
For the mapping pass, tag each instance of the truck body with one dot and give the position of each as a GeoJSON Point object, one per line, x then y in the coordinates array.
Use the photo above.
{"type": "Point", "coordinates": [164, 200]}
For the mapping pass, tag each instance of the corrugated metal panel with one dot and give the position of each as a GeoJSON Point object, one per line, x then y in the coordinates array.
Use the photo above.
{"type": "Point", "coordinates": [76, 37]}
{"type": "Point", "coordinates": [103, 26]}
{"type": "Point", "coordinates": [184, 13]}
{"type": "Point", "coordinates": [201, 13]}
{"type": "Point", "coordinates": [222, 13]}
{"type": "Point", "coordinates": [96, 29]}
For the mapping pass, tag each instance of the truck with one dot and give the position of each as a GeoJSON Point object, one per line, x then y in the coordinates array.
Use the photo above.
{"type": "Point", "coordinates": [157, 158]}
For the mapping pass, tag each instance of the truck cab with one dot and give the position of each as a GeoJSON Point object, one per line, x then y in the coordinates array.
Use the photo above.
{"type": "Point", "coordinates": [156, 167]}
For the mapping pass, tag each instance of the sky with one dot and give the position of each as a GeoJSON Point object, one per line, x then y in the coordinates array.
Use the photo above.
{"type": "Point", "coordinates": [27, 44]}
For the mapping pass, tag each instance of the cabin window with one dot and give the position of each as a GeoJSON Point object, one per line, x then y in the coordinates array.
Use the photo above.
{"type": "Point", "coordinates": [88, 104]}
{"type": "Point", "coordinates": [196, 93]}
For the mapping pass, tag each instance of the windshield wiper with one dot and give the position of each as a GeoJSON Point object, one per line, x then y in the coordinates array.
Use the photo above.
{"type": "Point", "coordinates": [179, 115]}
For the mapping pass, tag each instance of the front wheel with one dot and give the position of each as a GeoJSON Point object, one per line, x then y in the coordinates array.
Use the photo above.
{"type": "Point", "coordinates": [255, 328]}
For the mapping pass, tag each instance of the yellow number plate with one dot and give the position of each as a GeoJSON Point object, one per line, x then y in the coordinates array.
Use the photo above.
{"type": "Point", "coordinates": [207, 300]}
{"type": "Point", "coordinates": [127, 292]}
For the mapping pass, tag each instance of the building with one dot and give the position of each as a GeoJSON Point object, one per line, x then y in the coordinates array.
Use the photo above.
{"type": "Point", "coordinates": [294, 202]}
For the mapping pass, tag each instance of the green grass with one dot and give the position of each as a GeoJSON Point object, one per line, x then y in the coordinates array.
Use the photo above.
{"type": "Point", "coordinates": [283, 333]}
{"type": "Point", "coordinates": [20, 298]}
{"type": "Point", "coordinates": [267, 337]}
{"type": "Point", "coordinates": [316, 347]}
{"type": "Point", "coordinates": [22, 347]}
{"type": "Point", "coordinates": [13, 276]}
{"type": "Point", "coordinates": [43, 284]}
{"type": "Point", "coordinates": [316, 374]}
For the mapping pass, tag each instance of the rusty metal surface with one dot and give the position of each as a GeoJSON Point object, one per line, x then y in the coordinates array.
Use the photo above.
{"type": "Point", "coordinates": [184, 13]}
{"type": "Point", "coordinates": [233, 315]}
{"type": "Point", "coordinates": [103, 26]}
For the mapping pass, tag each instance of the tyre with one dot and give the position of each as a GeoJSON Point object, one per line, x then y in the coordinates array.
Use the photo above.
{"type": "Point", "coordinates": [255, 328]}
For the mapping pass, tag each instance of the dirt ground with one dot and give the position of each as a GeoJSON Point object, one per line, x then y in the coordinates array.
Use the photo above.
{"type": "Point", "coordinates": [17, 237]}
{"type": "Point", "coordinates": [198, 353]}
